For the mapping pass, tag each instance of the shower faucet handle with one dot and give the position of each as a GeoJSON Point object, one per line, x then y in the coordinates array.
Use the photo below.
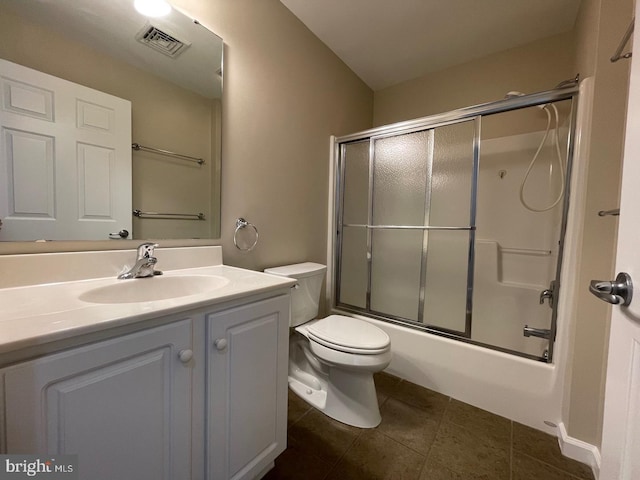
{"type": "Point", "coordinates": [548, 293]}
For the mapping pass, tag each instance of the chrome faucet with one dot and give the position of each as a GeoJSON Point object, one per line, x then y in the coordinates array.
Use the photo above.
{"type": "Point", "coordinates": [145, 263]}
{"type": "Point", "coordinates": [548, 293]}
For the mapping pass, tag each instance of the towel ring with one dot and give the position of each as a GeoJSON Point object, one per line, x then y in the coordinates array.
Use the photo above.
{"type": "Point", "coordinates": [240, 224]}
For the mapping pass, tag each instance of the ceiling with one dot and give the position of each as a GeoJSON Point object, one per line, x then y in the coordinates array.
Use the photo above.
{"type": "Point", "coordinates": [386, 42]}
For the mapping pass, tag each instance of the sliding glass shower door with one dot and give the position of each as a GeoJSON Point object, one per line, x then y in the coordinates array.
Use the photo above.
{"type": "Point", "coordinates": [407, 225]}
{"type": "Point", "coordinates": [433, 228]}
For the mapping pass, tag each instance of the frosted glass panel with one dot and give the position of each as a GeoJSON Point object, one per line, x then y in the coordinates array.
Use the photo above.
{"type": "Point", "coordinates": [446, 279]}
{"type": "Point", "coordinates": [452, 175]}
{"type": "Point", "coordinates": [353, 267]}
{"type": "Point", "coordinates": [402, 172]}
{"type": "Point", "coordinates": [395, 272]}
{"type": "Point", "coordinates": [356, 182]}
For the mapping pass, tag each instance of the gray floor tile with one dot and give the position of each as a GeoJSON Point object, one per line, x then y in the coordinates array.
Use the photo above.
{"type": "Point", "coordinates": [464, 453]}
{"type": "Point", "coordinates": [439, 472]}
{"type": "Point", "coordinates": [480, 422]}
{"type": "Point", "coordinates": [319, 435]}
{"type": "Point", "coordinates": [527, 468]}
{"type": "Point", "coordinates": [294, 464]}
{"type": "Point", "coordinates": [423, 435]}
{"type": "Point", "coordinates": [375, 456]}
{"type": "Point", "coordinates": [545, 448]}
{"type": "Point", "coordinates": [296, 408]}
{"type": "Point", "coordinates": [431, 402]}
{"type": "Point", "coordinates": [385, 384]}
{"type": "Point", "coordinates": [408, 425]}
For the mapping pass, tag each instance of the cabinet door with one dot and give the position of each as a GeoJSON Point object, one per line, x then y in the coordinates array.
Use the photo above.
{"type": "Point", "coordinates": [122, 405]}
{"type": "Point", "coordinates": [247, 388]}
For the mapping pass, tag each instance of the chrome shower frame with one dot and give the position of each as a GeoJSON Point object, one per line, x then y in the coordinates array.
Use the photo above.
{"type": "Point", "coordinates": [472, 113]}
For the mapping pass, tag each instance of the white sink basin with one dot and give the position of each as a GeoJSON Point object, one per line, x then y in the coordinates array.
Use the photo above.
{"type": "Point", "coordinates": [154, 288]}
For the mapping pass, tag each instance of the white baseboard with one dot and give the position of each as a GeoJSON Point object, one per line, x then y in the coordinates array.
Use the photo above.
{"type": "Point", "coordinates": [578, 450]}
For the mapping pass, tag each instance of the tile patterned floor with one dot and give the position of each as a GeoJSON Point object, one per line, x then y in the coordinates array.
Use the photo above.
{"type": "Point", "coordinates": [423, 436]}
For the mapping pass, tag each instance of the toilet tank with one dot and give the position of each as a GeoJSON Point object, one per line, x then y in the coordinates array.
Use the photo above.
{"type": "Point", "coordinates": [305, 296]}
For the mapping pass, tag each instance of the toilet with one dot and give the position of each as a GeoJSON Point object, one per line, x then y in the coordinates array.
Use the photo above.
{"type": "Point", "coordinates": [332, 360]}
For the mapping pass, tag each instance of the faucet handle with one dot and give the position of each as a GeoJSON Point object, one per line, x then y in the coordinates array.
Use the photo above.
{"type": "Point", "coordinates": [146, 250]}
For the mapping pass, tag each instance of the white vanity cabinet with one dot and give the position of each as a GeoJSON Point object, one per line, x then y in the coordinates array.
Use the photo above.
{"type": "Point", "coordinates": [123, 405]}
{"type": "Point", "coordinates": [247, 388]}
{"type": "Point", "coordinates": [200, 395]}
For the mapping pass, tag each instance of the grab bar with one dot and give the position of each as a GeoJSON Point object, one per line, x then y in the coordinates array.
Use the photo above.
{"type": "Point", "coordinates": [627, 35]}
{"type": "Point", "coordinates": [178, 216]}
{"type": "Point", "coordinates": [189, 158]}
{"type": "Point", "coordinates": [615, 212]}
{"type": "Point", "coordinates": [527, 251]}
{"type": "Point", "coordinates": [405, 227]}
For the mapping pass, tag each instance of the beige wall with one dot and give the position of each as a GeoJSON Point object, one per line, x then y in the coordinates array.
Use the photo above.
{"type": "Point", "coordinates": [534, 67]}
{"type": "Point", "coordinates": [182, 122]}
{"type": "Point", "coordinates": [285, 94]}
{"type": "Point", "coordinates": [600, 26]}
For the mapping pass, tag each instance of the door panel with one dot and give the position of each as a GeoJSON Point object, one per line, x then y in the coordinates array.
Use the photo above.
{"type": "Point", "coordinates": [122, 405]}
{"type": "Point", "coordinates": [65, 159]}
{"type": "Point", "coordinates": [247, 363]}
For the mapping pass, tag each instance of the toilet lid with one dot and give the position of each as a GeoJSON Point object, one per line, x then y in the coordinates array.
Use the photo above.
{"type": "Point", "coordinates": [349, 335]}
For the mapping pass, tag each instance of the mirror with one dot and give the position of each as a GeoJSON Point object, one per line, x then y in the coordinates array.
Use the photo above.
{"type": "Point", "coordinates": [170, 70]}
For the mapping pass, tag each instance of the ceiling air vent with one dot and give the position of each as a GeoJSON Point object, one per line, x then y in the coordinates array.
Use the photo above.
{"type": "Point", "coordinates": [162, 41]}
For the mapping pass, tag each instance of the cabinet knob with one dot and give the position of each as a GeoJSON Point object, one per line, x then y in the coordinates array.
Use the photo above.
{"type": "Point", "coordinates": [220, 343]}
{"type": "Point", "coordinates": [185, 355]}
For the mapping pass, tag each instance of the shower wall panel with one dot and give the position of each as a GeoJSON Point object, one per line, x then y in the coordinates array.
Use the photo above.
{"type": "Point", "coordinates": [501, 216]}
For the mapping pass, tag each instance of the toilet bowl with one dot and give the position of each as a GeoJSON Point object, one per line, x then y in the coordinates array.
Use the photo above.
{"type": "Point", "coordinates": [332, 360]}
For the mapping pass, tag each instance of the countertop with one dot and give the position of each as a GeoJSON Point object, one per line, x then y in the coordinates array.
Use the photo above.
{"type": "Point", "coordinates": [38, 314]}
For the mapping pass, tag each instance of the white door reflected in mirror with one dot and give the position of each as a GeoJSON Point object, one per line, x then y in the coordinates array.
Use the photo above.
{"type": "Point", "coordinates": [65, 169]}
{"type": "Point", "coordinates": [169, 68]}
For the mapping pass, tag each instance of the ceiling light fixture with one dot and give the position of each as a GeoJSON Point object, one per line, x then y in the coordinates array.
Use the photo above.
{"type": "Point", "coordinates": [152, 8]}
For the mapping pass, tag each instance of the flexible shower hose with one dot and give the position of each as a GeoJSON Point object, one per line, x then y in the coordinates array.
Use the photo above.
{"type": "Point", "coordinates": [535, 158]}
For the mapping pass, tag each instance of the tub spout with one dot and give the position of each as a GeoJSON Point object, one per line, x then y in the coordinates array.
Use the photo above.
{"type": "Point", "coordinates": [536, 332]}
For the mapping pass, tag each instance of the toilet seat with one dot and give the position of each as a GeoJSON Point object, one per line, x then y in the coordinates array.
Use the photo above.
{"type": "Point", "coordinates": [349, 335]}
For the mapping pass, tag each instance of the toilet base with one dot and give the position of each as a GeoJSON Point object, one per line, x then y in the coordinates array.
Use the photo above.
{"type": "Point", "coordinates": [348, 397]}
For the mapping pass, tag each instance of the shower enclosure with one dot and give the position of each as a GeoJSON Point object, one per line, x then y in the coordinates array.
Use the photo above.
{"type": "Point", "coordinates": [432, 230]}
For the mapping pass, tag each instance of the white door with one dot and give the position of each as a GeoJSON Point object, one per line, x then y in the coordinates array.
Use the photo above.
{"type": "Point", "coordinates": [65, 158]}
{"type": "Point", "coordinates": [621, 434]}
